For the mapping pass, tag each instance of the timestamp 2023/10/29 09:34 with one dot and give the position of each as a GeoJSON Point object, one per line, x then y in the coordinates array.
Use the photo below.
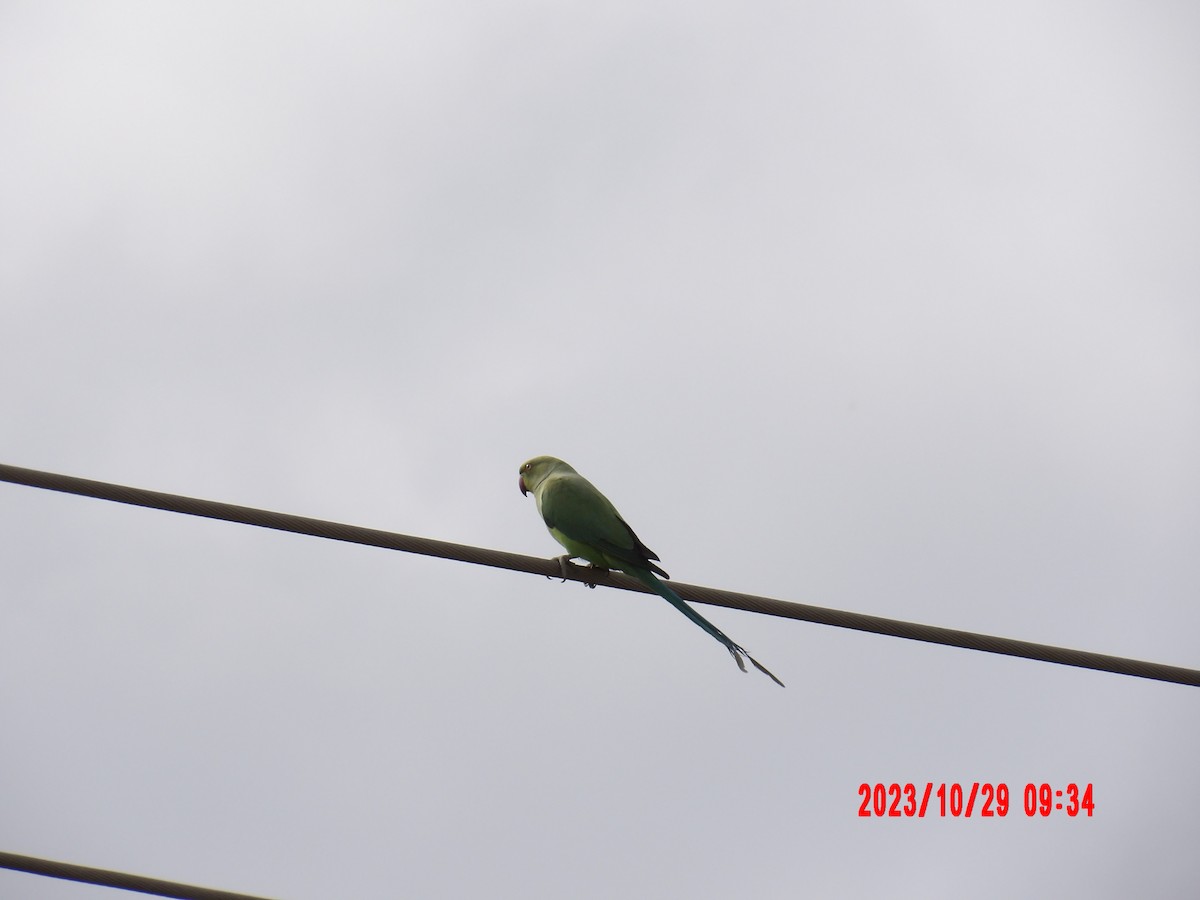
{"type": "Point", "coordinates": [985, 800]}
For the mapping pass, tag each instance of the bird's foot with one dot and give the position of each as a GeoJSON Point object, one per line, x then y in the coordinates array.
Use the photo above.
{"type": "Point", "coordinates": [595, 570]}
{"type": "Point", "coordinates": [565, 565]}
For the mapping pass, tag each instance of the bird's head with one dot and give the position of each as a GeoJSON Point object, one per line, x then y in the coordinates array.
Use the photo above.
{"type": "Point", "coordinates": [535, 471]}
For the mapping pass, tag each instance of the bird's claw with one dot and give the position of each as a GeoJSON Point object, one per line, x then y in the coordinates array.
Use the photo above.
{"type": "Point", "coordinates": [595, 569]}
{"type": "Point", "coordinates": [564, 564]}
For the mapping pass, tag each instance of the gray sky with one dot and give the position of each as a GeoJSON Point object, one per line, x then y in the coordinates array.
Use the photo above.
{"type": "Point", "coordinates": [886, 307]}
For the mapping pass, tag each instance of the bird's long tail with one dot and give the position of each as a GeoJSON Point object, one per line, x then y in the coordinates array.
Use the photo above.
{"type": "Point", "coordinates": [736, 651]}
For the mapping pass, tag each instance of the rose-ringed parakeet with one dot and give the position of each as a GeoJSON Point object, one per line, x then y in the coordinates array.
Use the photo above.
{"type": "Point", "coordinates": [584, 521]}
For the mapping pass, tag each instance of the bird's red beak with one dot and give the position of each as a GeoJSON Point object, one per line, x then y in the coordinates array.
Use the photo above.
{"type": "Point", "coordinates": [521, 484]}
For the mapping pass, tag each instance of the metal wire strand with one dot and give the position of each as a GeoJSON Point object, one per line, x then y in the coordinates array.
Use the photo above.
{"type": "Point", "coordinates": [120, 880]}
{"type": "Point", "coordinates": [552, 568]}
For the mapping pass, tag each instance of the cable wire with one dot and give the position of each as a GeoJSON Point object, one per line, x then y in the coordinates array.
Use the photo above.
{"type": "Point", "coordinates": [120, 880]}
{"type": "Point", "coordinates": [551, 568]}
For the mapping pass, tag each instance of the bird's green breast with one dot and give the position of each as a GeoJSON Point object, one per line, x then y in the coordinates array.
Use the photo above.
{"type": "Point", "coordinates": [580, 550]}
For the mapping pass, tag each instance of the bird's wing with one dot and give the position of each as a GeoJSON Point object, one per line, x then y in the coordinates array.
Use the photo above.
{"type": "Point", "coordinates": [574, 506]}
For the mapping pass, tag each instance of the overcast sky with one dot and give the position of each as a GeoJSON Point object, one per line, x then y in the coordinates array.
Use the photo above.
{"type": "Point", "coordinates": [887, 307]}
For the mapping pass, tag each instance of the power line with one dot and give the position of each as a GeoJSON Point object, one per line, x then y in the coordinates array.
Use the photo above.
{"type": "Point", "coordinates": [551, 568]}
{"type": "Point", "coordinates": [120, 880]}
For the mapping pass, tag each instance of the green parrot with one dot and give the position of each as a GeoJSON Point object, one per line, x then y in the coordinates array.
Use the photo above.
{"type": "Point", "coordinates": [584, 521]}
